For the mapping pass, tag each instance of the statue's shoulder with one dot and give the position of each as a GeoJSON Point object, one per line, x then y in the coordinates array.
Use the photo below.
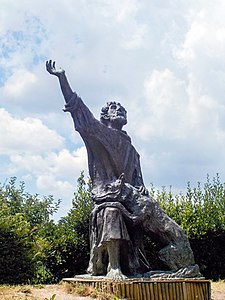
{"type": "Point", "coordinates": [125, 135]}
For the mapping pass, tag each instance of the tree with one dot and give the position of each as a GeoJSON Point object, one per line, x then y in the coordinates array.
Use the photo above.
{"type": "Point", "coordinates": [201, 213]}
{"type": "Point", "coordinates": [69, 253]}
{"type": "Point", "coordinates": [24, 221]}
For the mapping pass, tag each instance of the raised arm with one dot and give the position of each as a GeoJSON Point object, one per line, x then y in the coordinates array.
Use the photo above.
{"type": "Point", "coordinates": [64, 84]}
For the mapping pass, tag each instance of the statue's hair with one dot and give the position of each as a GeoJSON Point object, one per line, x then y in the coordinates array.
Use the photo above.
{"type": "Point", "coordinates": [104, 116]}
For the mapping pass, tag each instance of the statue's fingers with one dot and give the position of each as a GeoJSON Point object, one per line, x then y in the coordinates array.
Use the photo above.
{"type": "Point", "coordinates": [53, 65]}
{"type": "Point", "coordinates": [50, 64]}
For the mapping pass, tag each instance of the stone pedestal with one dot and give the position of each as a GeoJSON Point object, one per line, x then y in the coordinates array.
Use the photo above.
{"type": "Point", "coordinates": [146, 289]}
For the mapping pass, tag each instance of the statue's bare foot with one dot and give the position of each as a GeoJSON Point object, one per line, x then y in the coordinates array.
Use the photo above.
{"type": "Point", "coordinates": [116, 274]}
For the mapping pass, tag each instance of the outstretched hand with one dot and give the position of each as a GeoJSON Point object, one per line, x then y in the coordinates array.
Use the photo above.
{"type": "Point", "coordinates": [50, 67]}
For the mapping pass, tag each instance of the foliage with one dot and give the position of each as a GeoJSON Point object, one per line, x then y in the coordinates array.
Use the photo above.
{"type": "Point", "coordinates": [82, 205]}
{"type": "Point", "coordinates": [209, 254]}
{"type": "Point", "coordinates": [36, 211]}
{"type": "Point", "coordinates": [51, 298]}
{"type": "Point", "coordinates": [23, 220]}
{"type": "Point", "coordinates": [199, 211]}
{"type": "Point", "coordinates": [33, 248]}
{"type": "Point", "coordinates": [16, 249]}
{"type": "Point", "coordinates": [69, 252]}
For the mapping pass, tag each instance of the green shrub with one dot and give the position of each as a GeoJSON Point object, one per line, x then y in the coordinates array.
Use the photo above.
{"type": "Point", "coordinates": [24, 222]}
{"type": "Point", "coordinates": [16, 250]}
{"type": "Point", "coordinates": [69, 252]}
{"type": "Point", "coordinates": [33, 248]}
{"type": "Point", "coordinates": [199, 211]}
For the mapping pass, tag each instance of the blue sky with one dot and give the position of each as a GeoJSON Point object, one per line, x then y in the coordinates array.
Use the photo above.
{"type": "Point", "coordinates": [164, 60]}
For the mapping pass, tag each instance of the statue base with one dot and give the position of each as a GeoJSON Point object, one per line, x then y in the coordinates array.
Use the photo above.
{"type": "Point", "coordinates": [148, 289]}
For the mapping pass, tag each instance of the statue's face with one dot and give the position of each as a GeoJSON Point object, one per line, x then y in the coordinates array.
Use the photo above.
{"type": "Point", "coordinates": [117, 115]}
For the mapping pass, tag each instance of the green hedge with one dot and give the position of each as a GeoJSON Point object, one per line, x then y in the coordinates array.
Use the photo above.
{"type": "Point", "coordinates": [16, 251]}
{"type": "Point", "coordinates": [24, 225]}
{"type": "Point", "coordinates": [201, 213]}
{"type": "Point", "coordinates": [210, 255]}
{"type": "Point", "coordinates": [33, 248]}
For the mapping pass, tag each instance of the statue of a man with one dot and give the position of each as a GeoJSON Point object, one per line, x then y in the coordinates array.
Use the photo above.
{"type": "Point", "coordinates": [123, 210]}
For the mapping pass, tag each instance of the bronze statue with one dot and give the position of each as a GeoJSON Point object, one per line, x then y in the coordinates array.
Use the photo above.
{"type": "Point", "coordinates": [123, 210]}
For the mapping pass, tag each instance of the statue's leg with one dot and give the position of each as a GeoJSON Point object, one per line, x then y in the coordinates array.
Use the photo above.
{"type": "Point", "coordinates": [114, 234]}
{"type": "Point", "coordinates": [97, 250]}
{"type": "Point", "coordinates": [114, 268]}
{"type": "Point", "coordinates": [112, 251]}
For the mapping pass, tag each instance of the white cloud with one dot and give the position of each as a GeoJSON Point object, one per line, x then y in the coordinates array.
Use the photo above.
{"type": "Point", "coordinates": [166, 101]}
{"type": "Point", "coordinates": [206, 34]}
{"type": "Point", "coordinates": [62, 164]}
{"type": "Point", "coordinates": [69, 163]}
{"type": "Point", "coordinates": [125, 9]}
{"type": "Point", "coordinates": [53, 173]}
{"type": "Point", "coordinates": [163, 60]}
{"type": "Point", "coordinates": [19, 83]}
{"type": "Point", "coordinates": [120, 11]}
{"type": "Point", "coordinates": [27, 135]}
{"type": "Point", "coordinates": [49, 184]}
{"type": "Point", "coordinates": [202, 51]}
{"type": "Point", "coordinates": [137, 39]}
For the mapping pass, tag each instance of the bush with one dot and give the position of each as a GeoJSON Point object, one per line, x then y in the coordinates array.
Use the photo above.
{"type": "Point", "coordinates": [209, 254]}
{"type": "Point", "coordinates": [69, 252]}
{"type": "Point", "coordinates": [35, 249]}
{"type": "Point", "coordinates": [200, 212]}
{"type": "Point", "coordinates": [24, 222]}
{"type": "Point", "coordinates": [16, 250]}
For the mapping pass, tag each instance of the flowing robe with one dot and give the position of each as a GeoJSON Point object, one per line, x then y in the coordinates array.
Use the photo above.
{"type": "Point", "coordinates": [110, 154]}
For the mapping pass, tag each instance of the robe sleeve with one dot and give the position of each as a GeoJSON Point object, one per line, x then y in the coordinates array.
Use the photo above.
{"type": "Point", "coordinates": [110, 152]}
{"type": "Point", "coordinates": [82, 116]}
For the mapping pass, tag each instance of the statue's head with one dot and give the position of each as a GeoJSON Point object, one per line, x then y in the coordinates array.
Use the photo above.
{"type": "Point", "coordinates": [114, 115]}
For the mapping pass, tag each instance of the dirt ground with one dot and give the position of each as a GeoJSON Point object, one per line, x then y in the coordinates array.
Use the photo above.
{"type": "Point", "coordinates": [40, 292]}
{"type": "Point", "coordinates": [66, 292]}
{"type": "Point", "coordinates": [218, 290]}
